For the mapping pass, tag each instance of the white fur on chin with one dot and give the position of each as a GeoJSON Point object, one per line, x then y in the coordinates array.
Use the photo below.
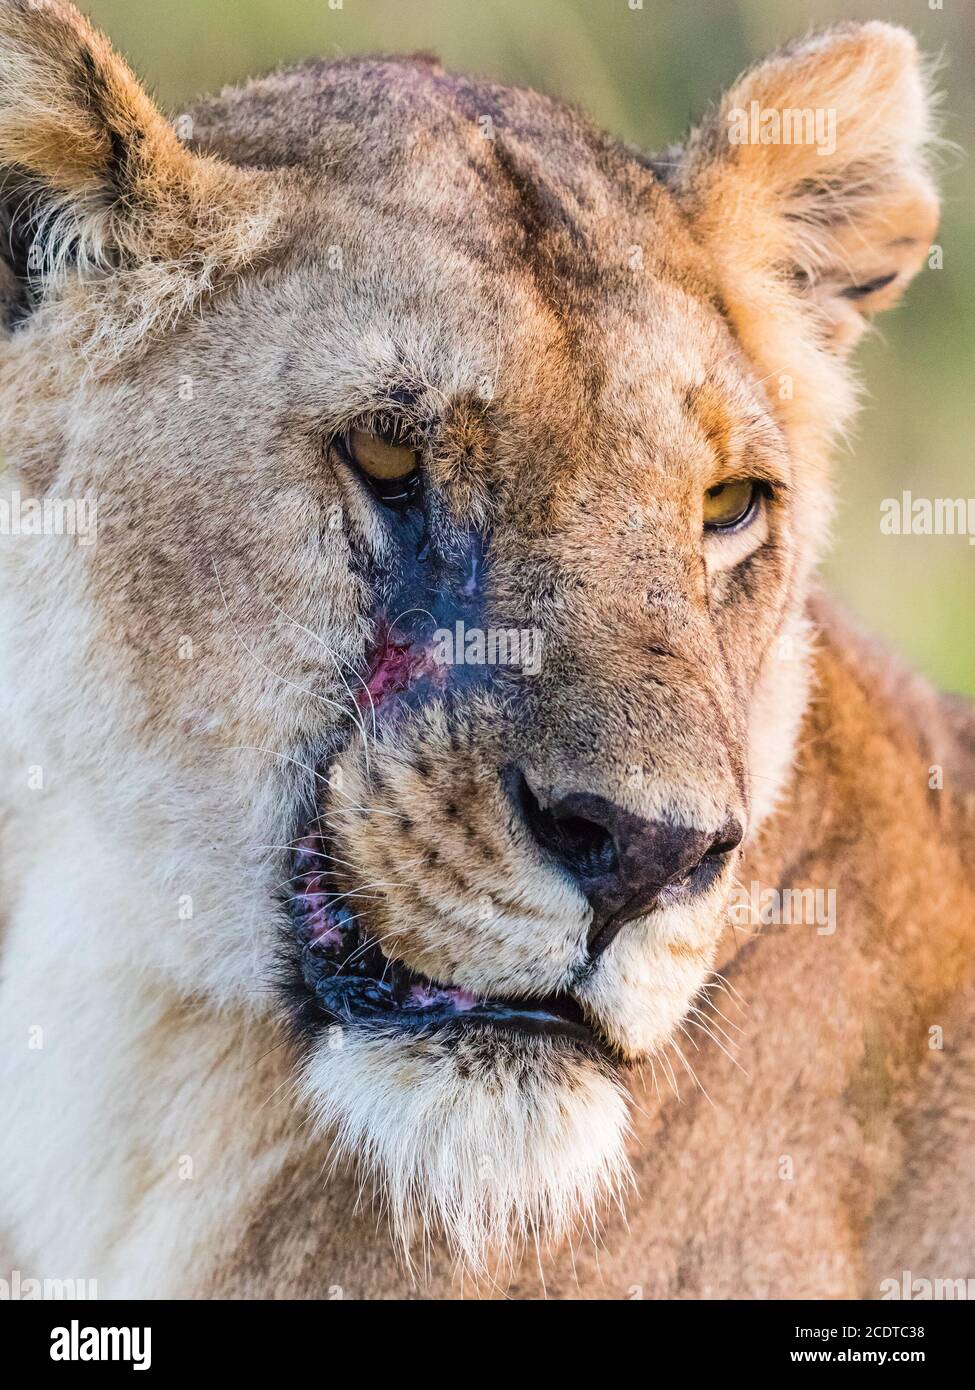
{"type": "Point", "coordinates": [489, 1146]}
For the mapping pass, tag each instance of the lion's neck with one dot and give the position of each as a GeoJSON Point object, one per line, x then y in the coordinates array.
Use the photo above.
{"type": "Point", "coordinates": [878, 821]}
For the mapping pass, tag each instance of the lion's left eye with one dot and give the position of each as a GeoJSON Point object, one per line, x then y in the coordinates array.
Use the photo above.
{"type": "Point", "coordinates": [731, 505]}
{"type": "Point", "coordinates": [392, 468]}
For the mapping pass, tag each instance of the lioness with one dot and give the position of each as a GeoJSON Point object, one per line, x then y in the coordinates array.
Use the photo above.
{"type": "Point", "coordinates": [440, 661]}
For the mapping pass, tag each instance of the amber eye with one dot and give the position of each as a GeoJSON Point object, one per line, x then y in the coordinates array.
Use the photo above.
{"type": "Point", "coordinates": [378, 459]}
{"type": "Point", "coordinates": [730, 505]}
{"type": "Point", "coordinates": [392, 468]}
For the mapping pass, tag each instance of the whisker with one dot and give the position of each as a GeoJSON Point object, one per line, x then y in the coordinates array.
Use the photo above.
{"type": "Point", "coordinates": [356, 714]}
{"type": "Point", "coordinates": [322, 699]}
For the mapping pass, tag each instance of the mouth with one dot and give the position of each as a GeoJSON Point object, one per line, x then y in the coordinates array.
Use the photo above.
{"type": "Point", "coordinates": [351, 981]}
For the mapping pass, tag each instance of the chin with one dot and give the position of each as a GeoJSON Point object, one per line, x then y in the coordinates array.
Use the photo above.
{"type": "Point", "coordinates": [485, 1137]}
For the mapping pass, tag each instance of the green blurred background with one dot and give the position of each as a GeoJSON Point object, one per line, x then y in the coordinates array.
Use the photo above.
{"type": "Point", "coordinates": [645, 74]}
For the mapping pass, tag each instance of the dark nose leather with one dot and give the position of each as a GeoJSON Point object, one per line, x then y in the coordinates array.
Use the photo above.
{"type": "Point", "coordinates": [618, 860]}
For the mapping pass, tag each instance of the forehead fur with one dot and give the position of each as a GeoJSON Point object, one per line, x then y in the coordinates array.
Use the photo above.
{"type": "Point", "coordinates": [469, 242]}
{"type": "Point", "coordinates": [525, 185]}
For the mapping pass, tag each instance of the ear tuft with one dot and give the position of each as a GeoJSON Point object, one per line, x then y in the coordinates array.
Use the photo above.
{"type": "Point", "coordinates": [93, 178]}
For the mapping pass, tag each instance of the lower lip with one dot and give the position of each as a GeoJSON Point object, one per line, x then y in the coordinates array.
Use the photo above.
{"type": "Point", "coordinates": [364, 1001]}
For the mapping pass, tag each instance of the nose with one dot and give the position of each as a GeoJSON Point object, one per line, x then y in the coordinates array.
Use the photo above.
{"type": "Point", "coordinates": [618, 860]}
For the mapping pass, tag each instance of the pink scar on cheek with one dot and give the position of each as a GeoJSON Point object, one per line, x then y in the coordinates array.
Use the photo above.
{"type": "Point", "coordinates": [396, 664]}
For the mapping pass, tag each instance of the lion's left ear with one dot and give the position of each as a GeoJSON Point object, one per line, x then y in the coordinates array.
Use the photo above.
{"type": "Point", "coordinates": [811, 174]}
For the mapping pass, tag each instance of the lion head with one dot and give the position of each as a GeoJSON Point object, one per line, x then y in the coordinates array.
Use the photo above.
{"type": "Point", "coordinates": [460, 475]}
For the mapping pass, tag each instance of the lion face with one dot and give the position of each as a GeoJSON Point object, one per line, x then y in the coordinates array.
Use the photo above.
{"type": "Point", "coordinates": [511, 877]}
{"type": "Point", "coordinates": [445, 618]}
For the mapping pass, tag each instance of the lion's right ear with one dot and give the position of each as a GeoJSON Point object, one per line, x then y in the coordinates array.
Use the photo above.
{"type": "Point", "coordinates": [93, 179]}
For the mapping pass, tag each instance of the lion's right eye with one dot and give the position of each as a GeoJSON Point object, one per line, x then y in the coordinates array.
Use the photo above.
{"type": "Point", "coordinates": [391, 468]}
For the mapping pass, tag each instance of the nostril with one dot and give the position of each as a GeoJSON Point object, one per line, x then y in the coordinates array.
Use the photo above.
{"type": "Point", "coordinates": [729, 837]}
{"type": "Point", "coordinates": [721, 847]}
{"type": "Point", "coordinates": [583, 846]}
{"type": "Point", "coordinates": [621, 862]}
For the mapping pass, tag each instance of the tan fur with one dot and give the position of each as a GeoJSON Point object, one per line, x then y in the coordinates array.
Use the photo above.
{"type": "Point", "coordinates": [586, 340]}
